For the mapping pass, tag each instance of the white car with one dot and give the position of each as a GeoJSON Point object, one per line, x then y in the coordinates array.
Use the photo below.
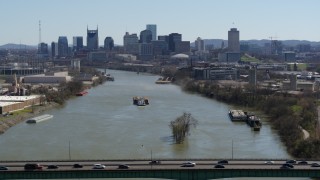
{"type": "Point", "coordinates": [99, 166]}
{"type": "Point", "coordinates": [188, 164]}
{"type": "Point", "coordinates": [269, 162]}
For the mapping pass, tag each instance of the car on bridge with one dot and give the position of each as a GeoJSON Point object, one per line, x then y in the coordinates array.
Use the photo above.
{"type": "Point", "coordinates": [303, 162]}
{"type": "Point", "coordinates": [223, 162]}
{"type": "Point", "coordinates": [188, 164]}
{"type": "Point", "coordinates": [98, 166]}
{"type": "Point", "coordinates": [219, 166]}
{"type": "Point", "coordinates": [154, 162]}
{"type": "Point", "coordinates": [3, 168]}
{"type": "Point", "coordinates": [291, 161]}
{"type": "Point", "coordinates": [52, 166]}
{"type": "Point", "coordinates": [123, 166]}
{"type": "Point", "coordinates": [33, 167]}
{"type": "Point", "coordinates": [288, 165]}
{"type": "Point", "coordinates": [77, 166]}
{"type": "Point", "coordinates": [269, 162]}
{"type": "Point", "coordinates": [315, 165]}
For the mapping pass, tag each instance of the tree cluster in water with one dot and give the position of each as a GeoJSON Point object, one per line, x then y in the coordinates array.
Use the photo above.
{"type": "Point", "coordinates": [181, 126]}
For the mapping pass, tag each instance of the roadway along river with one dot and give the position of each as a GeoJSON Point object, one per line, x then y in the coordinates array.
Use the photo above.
{"type": "Point", "coordinates": [105, 125]}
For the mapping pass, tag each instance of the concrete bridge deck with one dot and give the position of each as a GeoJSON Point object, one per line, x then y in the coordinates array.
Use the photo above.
{"type": "Point", "coordinates": [168, 169]}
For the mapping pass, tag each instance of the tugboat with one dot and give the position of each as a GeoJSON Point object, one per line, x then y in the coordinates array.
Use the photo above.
{"type": "Point", "coordinates": [254, 122]}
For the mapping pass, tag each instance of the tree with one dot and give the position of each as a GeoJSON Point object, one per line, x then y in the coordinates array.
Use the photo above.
{"type": "Point", "coordinates": [181, 126]}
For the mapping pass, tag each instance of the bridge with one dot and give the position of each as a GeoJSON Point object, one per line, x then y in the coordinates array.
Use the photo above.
{"type": "Point", "coordinates": [166, 169]}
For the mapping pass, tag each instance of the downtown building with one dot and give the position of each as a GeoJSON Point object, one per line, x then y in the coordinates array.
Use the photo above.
{"type": "Point", "coordinates": [77, 43]}
{"type": "Point", "coordinates": [153, 29]}
{"type": "Point", "coordinates": [92, 39]}
{"type": "Point", "coordinates": [63, 48]}
{"type": "Point", "coordinates": [108, 44]}
{"type": "Point", "coordinates": [233, 51]}
{"type": "Point", "coordinates": [131, 43]}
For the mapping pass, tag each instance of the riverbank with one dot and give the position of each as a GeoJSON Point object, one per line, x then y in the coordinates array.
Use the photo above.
{"type": "Point", "coordinates": [20, 116]}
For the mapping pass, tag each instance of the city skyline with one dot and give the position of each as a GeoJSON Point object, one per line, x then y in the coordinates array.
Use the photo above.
{"type": "Point", "coordinates": [282, 20]}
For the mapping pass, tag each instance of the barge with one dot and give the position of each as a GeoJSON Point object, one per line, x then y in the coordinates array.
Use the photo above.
{"type": "Point", "coordinates": [39, 119]}
{"type": "Point", "coordinates": [237, 115]}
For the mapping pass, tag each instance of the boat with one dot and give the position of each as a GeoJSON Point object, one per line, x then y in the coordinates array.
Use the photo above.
{"type": "Point", "coordinates": [39, 119]}
{"type": "Point", "coordinates": [254, 122]}
{"type": "Point", "coordinates": [237, 115]}
{"type": "Point", "coordinates": [82, 93]}
{"type": "Point", "coordinates": [109, 77]}
{"type": "Point", "coordinates": [140, 101]}
{"type": "Point", "coordinates": [163, 80]}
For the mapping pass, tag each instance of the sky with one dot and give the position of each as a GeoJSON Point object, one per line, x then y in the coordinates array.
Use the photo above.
{"type": "Point", "coordinates": [208, 19]}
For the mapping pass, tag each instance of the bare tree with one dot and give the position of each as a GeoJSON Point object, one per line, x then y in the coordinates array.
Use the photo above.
{"type": "Point", "coordinates": [181, 126]}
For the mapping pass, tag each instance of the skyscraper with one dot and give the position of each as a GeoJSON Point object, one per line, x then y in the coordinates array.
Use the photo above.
{"type": "Point", "coordinates": [173, 38]}
{"type": "Point", "coordinates": [199, 43]}
{"type": "Point", "coordinates": [63, 46]}
{"type": "Point", "coordinates": [233, 40]}
{"type": "Point", "coordinates": [153, 29]}
{"type": "Point", "coordinates": [108, 43]}
{"type": "Point", "coordinates": [92, 39]}
{"type": "Point", "coordinates": [145, 36]}
{"type": "Point", "coordinates": [131, 43]}
{"type": "Point", "coordinates": [77, 43]}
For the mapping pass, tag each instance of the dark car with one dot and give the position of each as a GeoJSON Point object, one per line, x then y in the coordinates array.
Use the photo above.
{"type": "Point", "coordinates": [219, 166]}
{"type": "Point", "coordinates": [285, 167]}
{"type": "Point", "coordinates": [52, 167]}
{"type": "Point", "coordinates": [32, 167]}
{"type": "Point", "coordinates": [77, 166]}
{"type": "Point", "coordinates": [315, 165]}
{"type": "Point", "coordinates": [291, 161]}
{"type": "Point", "coordinates": [123, 166]}
{"type": "Point", "coordinates": [223, 162]}
{"type": "Point", "coordinates": [155, 162]}
{"type": "Point", "coordinates": [3, 168]}
{"type": "Point", "coordinates": [288, 165]}
{"type": "Point", "coordinates": [303, 162]}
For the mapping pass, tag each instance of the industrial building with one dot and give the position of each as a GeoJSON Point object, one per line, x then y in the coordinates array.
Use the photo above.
{"type": "Point", "coordinates": [14, 103]}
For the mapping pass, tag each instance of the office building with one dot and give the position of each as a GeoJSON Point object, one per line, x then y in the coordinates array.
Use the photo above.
{"type": "Point", "coordinates": [182, 47]}
{"type": "Point", "coordinates": [77, 43]}
{"type": "Point", "coordinates": [43, 48]}
{"type": "Point", "coordinates": [233, 40]}
{"type": "Point", "coordinates": [173, 38]}
{"type": "Point", "coordinates": [145, 36]}
{"type": "Point", "coordinates": [108, 43]}
{"type": "Point", "coordinates": [63, 46]}
{"type": "Point", "coordinates": [159, 47]}
{"type": "Point", "coordinates": [164, 38]}
{"type": "Point", "coordinates": [54, 49]}
{"type": "Point", "coordinates": [153, 29]}
{"type": "Point", "coordinates": [131, 43]}
{"type": "Point", "coordinates": [92, 39]}
{"type": "Point", "coordinates": [199, 44]}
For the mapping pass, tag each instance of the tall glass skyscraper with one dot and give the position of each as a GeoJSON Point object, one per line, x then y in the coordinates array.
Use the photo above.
{"type": "Point", "coordinates": [63, 46]}
{"type": "Point", "coordinates": [153, 29]}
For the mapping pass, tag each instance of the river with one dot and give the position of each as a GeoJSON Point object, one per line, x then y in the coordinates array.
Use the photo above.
{"type": "Point", "coordinates": [105, 125]}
